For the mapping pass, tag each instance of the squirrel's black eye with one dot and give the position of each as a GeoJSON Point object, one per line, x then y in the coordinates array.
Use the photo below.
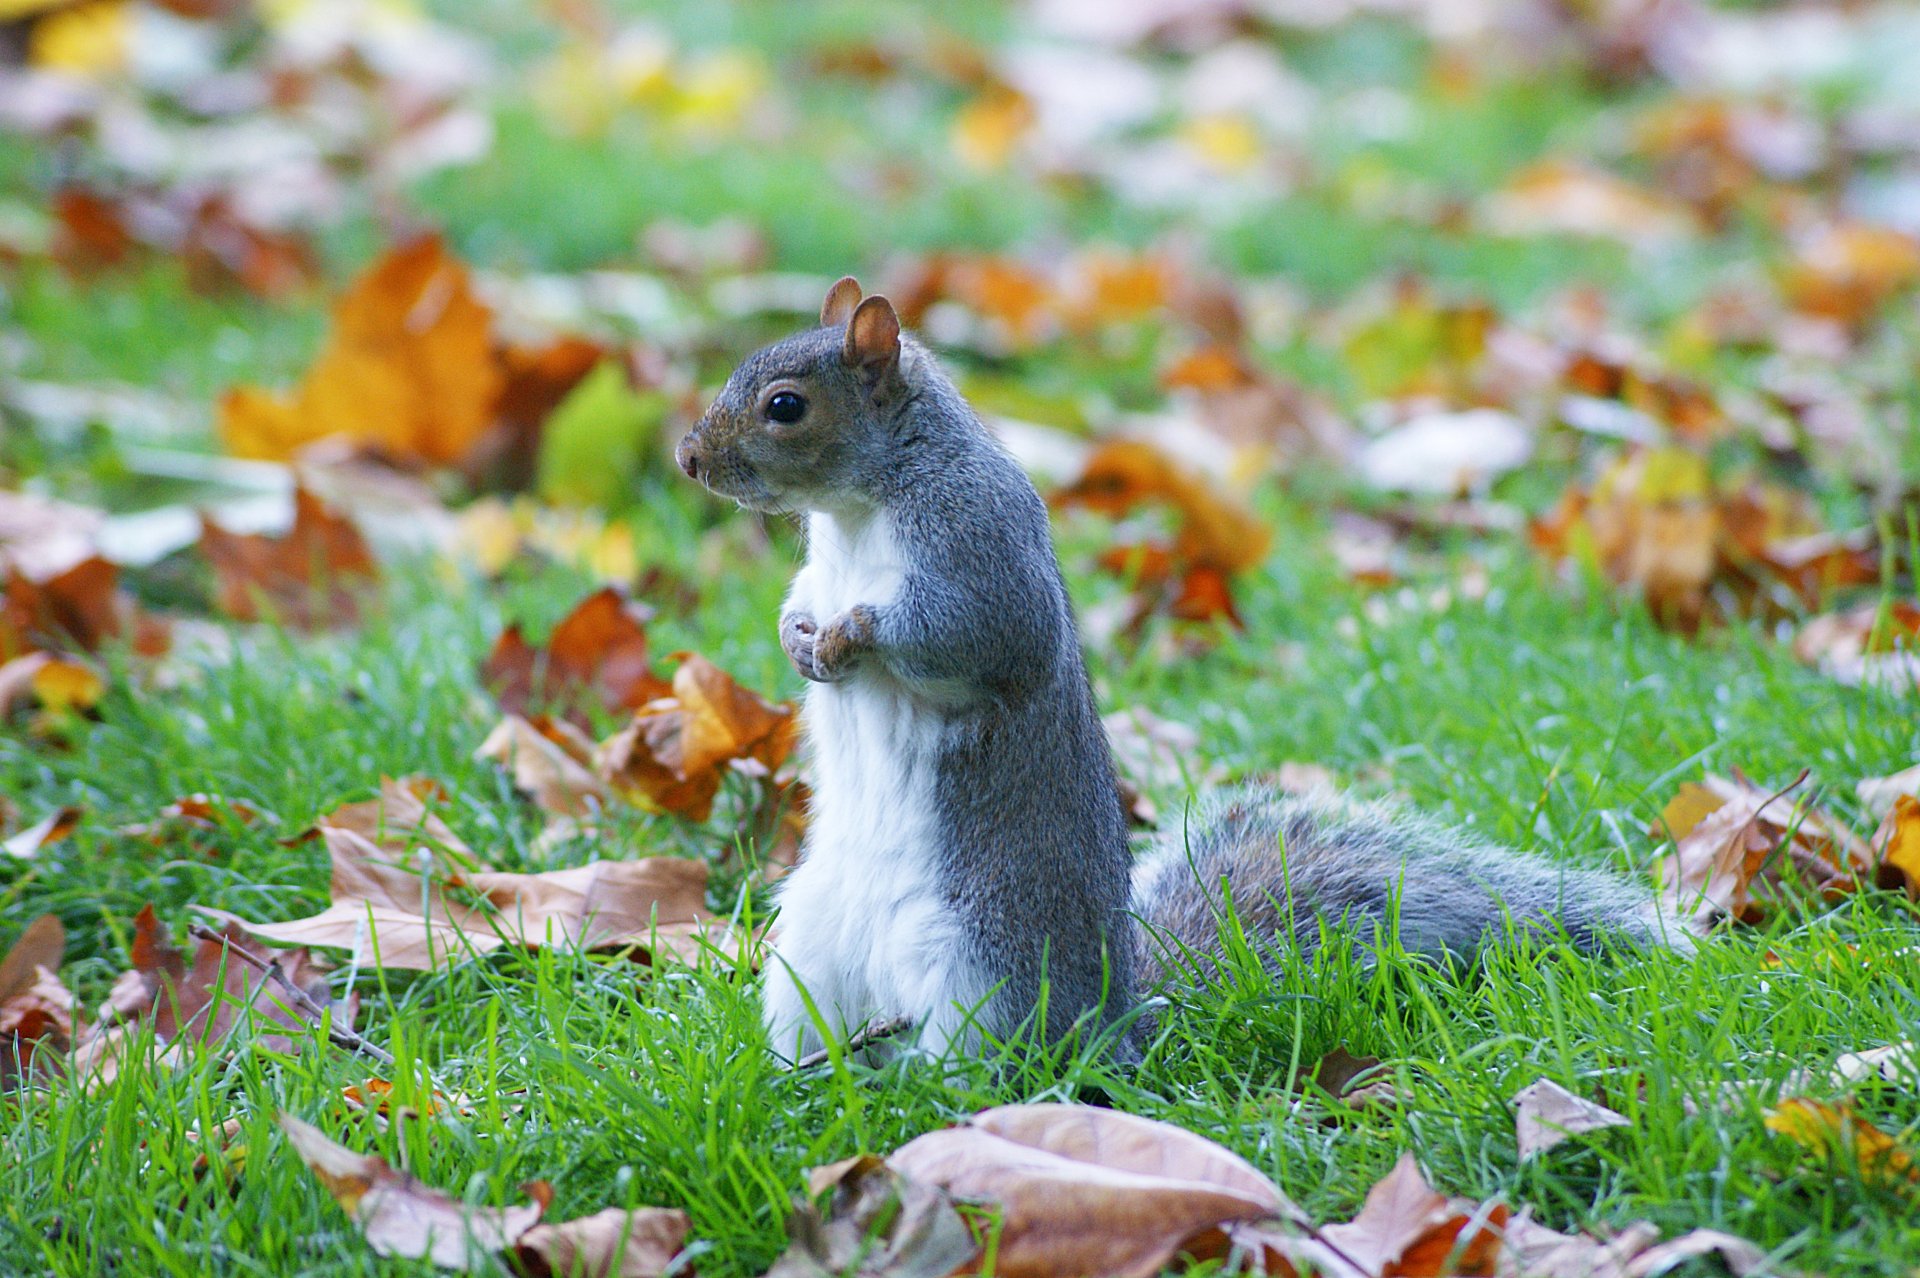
{"type": "Point", "coordinates": [786, 408]}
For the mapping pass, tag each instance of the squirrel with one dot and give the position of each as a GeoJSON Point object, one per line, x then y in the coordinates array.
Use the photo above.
{"type": "Point", "coordinates": [966, 866]}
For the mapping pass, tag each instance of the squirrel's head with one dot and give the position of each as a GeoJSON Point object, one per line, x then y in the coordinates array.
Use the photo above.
{"type": "Point", "coordinates": [804, 424]}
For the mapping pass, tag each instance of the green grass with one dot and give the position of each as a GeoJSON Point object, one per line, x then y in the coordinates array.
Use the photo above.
{"type": "Point", "coordinates": [1557, 726]}
{"type": "Point", "coordinates": [1548, 717]}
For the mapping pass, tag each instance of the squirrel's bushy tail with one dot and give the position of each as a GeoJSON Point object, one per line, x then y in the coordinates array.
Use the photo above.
{"type": "Point", "coordinates": [1293, 864]}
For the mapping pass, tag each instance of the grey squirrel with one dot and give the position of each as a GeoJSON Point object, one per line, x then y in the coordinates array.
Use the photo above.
{"type": "Point", "coordinates": [967, 847]}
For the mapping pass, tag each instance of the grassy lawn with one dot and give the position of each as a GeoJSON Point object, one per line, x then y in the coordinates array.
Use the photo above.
{"type": "Point", "coordinates": [1554, 717]}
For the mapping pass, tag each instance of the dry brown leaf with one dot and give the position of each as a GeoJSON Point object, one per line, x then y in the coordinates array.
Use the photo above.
{"type": "Point", "coordinates": [619, 1242]}
{"type": "Point", "coordinates": [50, 829]}
{"type": "Point", "coordinates": [402, 1217]}
{"type": "Point", "coordinates": [1557, 197]}
{"type": "Point", "coordinates": [1084, 1190]}
{"type": "Point", "coordinates": [78, 608]}
{"type": "Point", "coordinates": [597, 654]}
{"type": "Point", "coordinates": [310, 578]}
{"type": "Point", "coordinates": [205, 1000]}
{"type": "Point", "coordinates": [1878, 794]}
{"type": "Point", "coordinates": [1338, 1070]}
{"type": "Point", "coordinates": [1546, 1114]}
{"type": "Point", "coordinates": [36, 1010]}
{"type": "Point", "coordinates": [190, 817]}
{"type": "Point", "coordinates": [1896, 1063]}
{"type": "Point", "coordinates": [672, 756]}
{"type": "Point", "coordinates": [403, 817]}
{"type": "Point", "coordinates": [1836, 1131]}
{"type": "Point", "coordinates": [1744, 857]}
{"type": "Point", "coordinates": [551, 760]}
{"type": "Point", "coordinates": [1531, 1250]}
{"type": "Point", "coordinates": [1873, 644]}
{"type": "Point", "coordinates": [877, 1223]}
{"type": "Point", "coordinates": [409, 370]}
{"type": "Point", "coordinates": [1407, 1228]}
{"type": "Point", "coordinates": [426, 915]}
{"type": "Point", "coordinates": [1846, 271]}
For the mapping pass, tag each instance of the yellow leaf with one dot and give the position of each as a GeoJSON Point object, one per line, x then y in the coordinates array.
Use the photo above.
{"type": "Point", "coordinates": [1691, 804]}
{"type": "Point", "coordinates": [1229, 143]}
{"type": "Point", "coordinates": [60, 684]}
{"type": "Point", "coordinates": [1828, 1129]}
{"type": "Point", "coordinates": [1899, 837]}
{"type": "Point", "coordinates": [88, 39]}
{"type": "Point", "coordinates": [988, 128]}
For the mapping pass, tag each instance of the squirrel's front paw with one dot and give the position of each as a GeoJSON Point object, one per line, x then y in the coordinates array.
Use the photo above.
{"type": "Point", "coordinates": [838, 647]}
{"type": "Point", "coordinates": [798, 633]}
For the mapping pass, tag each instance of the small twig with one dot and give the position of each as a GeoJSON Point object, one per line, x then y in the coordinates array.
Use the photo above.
{"type": "Point", "coordinates": [871, 1032]}
{"type": "Point", "coordinates": [305, 1003]}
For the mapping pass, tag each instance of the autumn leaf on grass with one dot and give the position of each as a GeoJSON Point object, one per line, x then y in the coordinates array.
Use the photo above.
{"type": "Point", "coordinates": [397, 910]}
{"type": "Point", "coordinates": [1741, 851]}
{"type": "Point", "coordinates": [597, 653]}
{"type": "Point", "coordinates": [55, 684]}
{"type": "Point", "coordinates": [400, 1216]}
{"type": "Point", "coordinates": [1214, 538]}
{"type": "Point", "coordinates": [408, 372]}
{"type": "Point", "coordinates": [78, 608]}
{"type": "Point", "coordinates": [1845, 271]}
{"type": "Point", "coordinates": [552, 762]}
{"type": "Point", "coordinates": [1546, 1113]}
{"type": "Point", "coordinates": [1837, 1132]}
{"type": "Point", "coordinates": [876, 1222]}
{"type": "Point", "coordinates": [1531, 1250]}
{"type": "Point", "coordinates": [310, 578]}
{"type": "Point", "coordinates": [36, 1010]}
{"type": "Point", "coordinates": [1897, 845]}
{"type": "Point", "coordinates": [1085, 1190]}
{"type": "Point", "coordinates": [1559, 197]}
{"type": "Point", "coordinates": [1875, 645]}
{"type": "Point", "coordinates": [191, 817]}
{"type": "Point", "coordinates": [1404, 1228]}
{"type": "Point", "coordinates": [50, 829]}
{"type": "Point", "coordinates": [673, 754]}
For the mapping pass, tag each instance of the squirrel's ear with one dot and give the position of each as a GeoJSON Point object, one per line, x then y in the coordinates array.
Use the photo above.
{"type": "Point", "coordinates": [841, 299]}
{"type": "Point", "coordinates": [873, 336]}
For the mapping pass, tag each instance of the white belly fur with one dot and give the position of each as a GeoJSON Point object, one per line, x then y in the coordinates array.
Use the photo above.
{"type": "Point", "coordinates": [862, 925]}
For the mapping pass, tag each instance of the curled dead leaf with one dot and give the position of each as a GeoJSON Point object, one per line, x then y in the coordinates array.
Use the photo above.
{"type": "Point", "coordinates": [598, 653]}
{"type": "Point", "coordinates": [1546, 1114]}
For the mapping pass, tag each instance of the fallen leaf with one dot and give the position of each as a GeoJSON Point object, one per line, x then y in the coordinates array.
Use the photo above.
{"type": "Point", "coordinates": [400, 1216]}
{"type": "Point", "coordinates": [1878, 794]}
{"type": "Point", "coordinates": [1558, 197]}
{"type": "Point", "coordinates": [1338, 1070]}
{"type": "Point", "coordinates": [1446, 454]}
{"type": "Point", "coordinates": [78, 608]}
{"type": "Point", "coordinates": [310, 578]}
{"type": "Point", "coordinates": [1836, 1131]}
{"type": "Point", "coordinates": [1746, 856]}
{"type": "Point", "coordinates": [1084, 1190]}
{"type": "Point", "coordinates": [36, 1010]}
{"type": "Point", "coordinates": [877, 1222]}
{"type": "Point", "coordinates": [1531, 1250]}
{"type": "Point", "coordinates": [50, 829]}
{"type": "Point", "coordinates": [1846, 271]}
{"type": "Point", "coordinates": [1546, 1114]}
{"type": "Point", "coordinates": [1873, 644]}
{"type": "Point", "coordinates": [426, 915]}
{"type": "Point", "coordinates": [618, 1242]}
{"type": "Point", "coordinates": [673, 754]}
{"type": "Point", "coordinates": [597, 652]}
{"type": "Point", "coordinates": [1898, 841]}
{"type": "Point", "coordinates": [551, 760]}
{"type": "Point", "coordinates": [409, 370]}
{"type": "Point", "coordinates": [205, 1000]}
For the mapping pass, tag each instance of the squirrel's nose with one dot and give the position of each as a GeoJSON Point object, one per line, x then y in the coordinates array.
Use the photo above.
{"type": "Point", "coordinates": [689, 460]}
